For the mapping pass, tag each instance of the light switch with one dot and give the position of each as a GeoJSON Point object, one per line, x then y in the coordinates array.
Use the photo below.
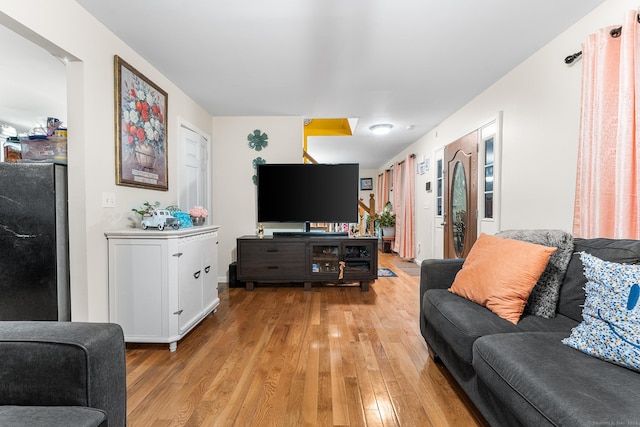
{"type": "Point", "coordinates": [108, 200]}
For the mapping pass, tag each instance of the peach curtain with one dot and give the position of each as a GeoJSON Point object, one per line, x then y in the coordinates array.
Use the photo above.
{"type": "Point", "coordinates": [380, 189]}
{"type": "Point", "coordinates": [398, 170]}
{"type": "Point", "coordinates": [405, 245]}
{"type": "Point", "coordinates": [608, 181]}
{"type": "Point", "coordinates": [385, 188]}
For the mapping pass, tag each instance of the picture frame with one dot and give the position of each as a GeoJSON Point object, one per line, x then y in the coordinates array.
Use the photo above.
{"type": "Point", "coordinates": [140, 129]}
{"type": "Point", "coordinates": [366, 184]}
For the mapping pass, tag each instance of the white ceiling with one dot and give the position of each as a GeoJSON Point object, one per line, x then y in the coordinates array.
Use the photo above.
{"type": "Point", "coordinates": [404, 62]}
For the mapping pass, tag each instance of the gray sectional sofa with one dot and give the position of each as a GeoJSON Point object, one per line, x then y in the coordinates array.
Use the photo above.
{"type": "Point", "coordinates": [62, 374]}
{"type": "Point", "coordinates": [522, 374]}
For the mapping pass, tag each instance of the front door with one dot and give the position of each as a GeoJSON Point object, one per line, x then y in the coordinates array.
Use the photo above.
{"type": "Point", "coordinates": [460, 196]}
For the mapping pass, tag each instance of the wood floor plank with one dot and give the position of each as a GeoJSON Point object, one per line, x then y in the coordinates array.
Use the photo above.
{"type": "Point", "coordinates": [280, 356]}
{"type": "Point", "coordinates": [339, 404]}
{"type": "Point", "coordinates": [311, 378]}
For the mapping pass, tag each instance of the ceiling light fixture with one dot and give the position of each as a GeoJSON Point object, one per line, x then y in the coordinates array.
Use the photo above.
{"type": "Point", "coordinates": [381, 129]}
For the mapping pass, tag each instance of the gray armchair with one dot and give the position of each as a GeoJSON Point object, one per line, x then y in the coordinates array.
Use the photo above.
{"type": "Point", "coordinates": [62, 374]}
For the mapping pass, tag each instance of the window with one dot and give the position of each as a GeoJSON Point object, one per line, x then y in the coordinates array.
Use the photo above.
{"type": "Point", "coordinates": [488, 177]}
{"type": "Point", "coordinates": [439, 187]}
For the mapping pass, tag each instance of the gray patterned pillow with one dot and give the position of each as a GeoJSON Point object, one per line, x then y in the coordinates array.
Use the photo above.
{"type": "Point", "coordinates": [543, 300]}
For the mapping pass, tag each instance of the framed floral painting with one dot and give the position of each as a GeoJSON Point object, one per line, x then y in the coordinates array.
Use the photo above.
{"type": "Point", "coordinates": [141, 129]}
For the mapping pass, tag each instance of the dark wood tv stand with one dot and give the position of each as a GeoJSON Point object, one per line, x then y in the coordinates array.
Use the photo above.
{"type": "Point", "coordinates": [307, 259]}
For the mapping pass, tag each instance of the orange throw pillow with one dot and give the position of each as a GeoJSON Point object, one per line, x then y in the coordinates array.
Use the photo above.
{"type": "Point", "coordinates": [499, 274]}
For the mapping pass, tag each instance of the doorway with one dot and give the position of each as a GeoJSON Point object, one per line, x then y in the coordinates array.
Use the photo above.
{"type": "Point", "coordinates": [460, 196]}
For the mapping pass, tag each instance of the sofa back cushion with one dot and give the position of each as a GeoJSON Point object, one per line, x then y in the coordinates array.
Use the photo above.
{"type": "Point", "coordinates": [623, 251]}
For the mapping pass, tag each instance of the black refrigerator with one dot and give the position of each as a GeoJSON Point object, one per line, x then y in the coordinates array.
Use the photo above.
{"type": "Point", "coordinates": [34, 242]}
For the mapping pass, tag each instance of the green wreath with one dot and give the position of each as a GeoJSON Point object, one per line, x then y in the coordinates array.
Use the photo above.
{"type": "Point", "coordinates": [257, 140]}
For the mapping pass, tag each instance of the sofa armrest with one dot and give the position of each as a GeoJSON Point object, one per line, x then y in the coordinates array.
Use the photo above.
{"type": "Point", "coordinates": [64, 364]}
{"type": "Point", "coordinates": [436, 274]}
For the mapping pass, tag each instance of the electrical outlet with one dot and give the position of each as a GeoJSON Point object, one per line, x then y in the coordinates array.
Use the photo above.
{"type": "Point", "coordinates": [108, 200]}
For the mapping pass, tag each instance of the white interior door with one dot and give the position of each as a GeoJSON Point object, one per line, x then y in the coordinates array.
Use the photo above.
{"type": "Point", "coordinates": [194, 173]}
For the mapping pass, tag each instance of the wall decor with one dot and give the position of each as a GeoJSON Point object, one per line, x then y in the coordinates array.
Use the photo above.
{"type": "Point", "coordinates": [257, 161]}
{"type": "Point", "coordinates": [141, 129]}
{"type": "Point", "coordinates": [257, 140]}
{"type": "Point", "coordinates": [366, 184]}
{"type": "Point", "coordinates": [423, 166]}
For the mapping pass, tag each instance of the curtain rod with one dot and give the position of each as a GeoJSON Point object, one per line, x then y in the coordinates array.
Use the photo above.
{"type": "Point", "coordinates": [413, 156]}
{"type": "Point", "coordinates": [615, 33]}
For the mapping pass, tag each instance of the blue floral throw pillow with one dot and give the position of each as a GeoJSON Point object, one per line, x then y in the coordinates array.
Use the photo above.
{"type": "Point", "coordinates": [610, 329]}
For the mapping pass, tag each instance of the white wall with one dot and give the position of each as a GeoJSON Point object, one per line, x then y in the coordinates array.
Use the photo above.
{"type": "Point", "coordinates": [65, 26]}
{"type": "Point", "coordinates": [540, 102]}
{"type": "Point", "coordinates": [234, 191]}
{"type": "Point", "coordinates": [364, 194]}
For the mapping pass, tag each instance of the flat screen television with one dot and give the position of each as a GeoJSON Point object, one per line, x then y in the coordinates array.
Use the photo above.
{"type": "Point", "coordinates": [295, 192]}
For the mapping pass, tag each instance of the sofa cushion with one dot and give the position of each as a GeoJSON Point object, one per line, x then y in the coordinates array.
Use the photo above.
{"type": "Point", "coordinates": [48, 416]}
{"type": "Point", "coordinates": [500, 274]}
{"type": "Point", "coordinates": [611, 326]}
{"type": "Point", "coordinates": [543, 300]}
{"type": "Point", "coordinates": [460, 321]}
{"type": "Point", "coordinates": [572, 290]}
{"type": "Point", "coordinates": [544, 382]}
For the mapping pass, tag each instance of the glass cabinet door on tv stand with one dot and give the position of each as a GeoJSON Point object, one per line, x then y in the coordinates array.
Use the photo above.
{"type": "Point", "coordinates": [352, 260]}
{"type": "Point", "coordinates": [358, 257]}
{"type": "Point", "coordinates": [325, 259]}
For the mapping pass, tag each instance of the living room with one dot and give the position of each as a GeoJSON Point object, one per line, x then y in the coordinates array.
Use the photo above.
{"type": "Point", "coordinates": [537, 105]}
{"type": "Point", "coordinates": [538, 101]}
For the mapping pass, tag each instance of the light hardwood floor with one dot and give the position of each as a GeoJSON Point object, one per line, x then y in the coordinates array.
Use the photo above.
{"type": "Point", "coordinates": [279, 356]}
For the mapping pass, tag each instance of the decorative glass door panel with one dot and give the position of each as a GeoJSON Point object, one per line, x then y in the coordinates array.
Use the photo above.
{"type": "Point", "coordinates": [459, 208]}
{"type": "Point", "coordinates": [460, 196]}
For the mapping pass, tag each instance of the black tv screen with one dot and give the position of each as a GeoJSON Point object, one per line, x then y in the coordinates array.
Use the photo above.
{"type": "Point", "coordinates": [308, 192]}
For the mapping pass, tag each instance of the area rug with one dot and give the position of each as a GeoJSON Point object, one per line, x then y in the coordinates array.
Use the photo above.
{"type": "Point", "coordinates": [386, 272]}
{"type": "Point", "coordinates": [412, 271]}
{"type": "Point", "coordinates": [411, 268]}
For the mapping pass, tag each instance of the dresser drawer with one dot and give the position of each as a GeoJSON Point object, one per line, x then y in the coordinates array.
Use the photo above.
{"type": "Point", "coordinates": [264, 260]}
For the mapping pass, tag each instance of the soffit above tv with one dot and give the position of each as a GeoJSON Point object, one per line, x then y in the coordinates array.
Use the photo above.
{"type": "Point", "coordinates": [326, 128]}
{"type": "Point", "coordinates": [329, 127]}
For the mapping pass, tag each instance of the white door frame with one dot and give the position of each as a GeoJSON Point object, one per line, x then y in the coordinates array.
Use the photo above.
{"type": "Point", "coordinates": [492, 128]}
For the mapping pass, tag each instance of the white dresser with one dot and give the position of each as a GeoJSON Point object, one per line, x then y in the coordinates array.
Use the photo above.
{"type": "Point", "coordinates": [162, 283]}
